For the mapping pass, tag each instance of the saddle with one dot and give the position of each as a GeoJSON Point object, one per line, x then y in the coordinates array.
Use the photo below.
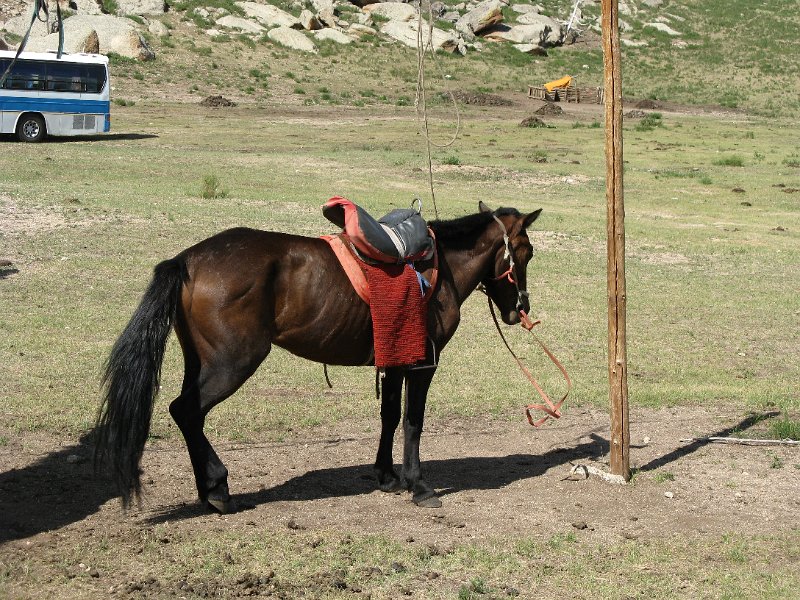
{"type": "Point", "coordinates": [376, 255]}
{"type": "Point", "coordinates": [398, 237]}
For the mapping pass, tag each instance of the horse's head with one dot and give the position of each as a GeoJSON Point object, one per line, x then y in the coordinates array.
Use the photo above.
{"type": "Point", "coordinates": [506, 282]}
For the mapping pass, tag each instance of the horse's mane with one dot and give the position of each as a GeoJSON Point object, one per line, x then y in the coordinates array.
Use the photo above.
{"type": "Point", "coordinates": [465, 229]}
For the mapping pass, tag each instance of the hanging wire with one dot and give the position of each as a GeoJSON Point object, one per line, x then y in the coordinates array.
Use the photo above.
{"type": "Point", "coordinates": [425, 42]}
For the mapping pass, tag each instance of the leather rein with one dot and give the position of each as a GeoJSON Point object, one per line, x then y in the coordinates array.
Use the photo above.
{"type": "Point", "coordinates": [550, 408]}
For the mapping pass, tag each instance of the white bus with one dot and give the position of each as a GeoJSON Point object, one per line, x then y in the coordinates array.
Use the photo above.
{"type": "Point", "coordinates": [44, 95]}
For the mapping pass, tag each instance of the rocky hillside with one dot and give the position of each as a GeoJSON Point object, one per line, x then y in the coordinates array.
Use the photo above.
{"type": "Point", "coordinates": [678, 50]}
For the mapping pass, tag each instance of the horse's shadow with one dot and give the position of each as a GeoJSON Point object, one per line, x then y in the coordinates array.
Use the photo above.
{"type": "Point", "coordinates": [450, 475]}
{"type": "Point", "coordinates": [61, 487]}
{"type": "Point", "coordinates": [56, 490]}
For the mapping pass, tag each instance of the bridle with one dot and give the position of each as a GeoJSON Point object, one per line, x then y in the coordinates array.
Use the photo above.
{"type": "Point", "coordinates": [550, 408]}
{"type": "Point", "coordinates": [509, 273]}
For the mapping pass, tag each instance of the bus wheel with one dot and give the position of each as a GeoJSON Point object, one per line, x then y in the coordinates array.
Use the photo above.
{"type": "Point", "coordinates": [31, 128]}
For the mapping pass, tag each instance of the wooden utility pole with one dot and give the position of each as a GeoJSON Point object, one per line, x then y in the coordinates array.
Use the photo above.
{"type": "Point", "coordinates": [615, 211]}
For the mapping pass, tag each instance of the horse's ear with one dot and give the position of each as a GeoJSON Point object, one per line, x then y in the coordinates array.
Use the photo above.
{"type": "Point", "coordinates": [526, 222]}
{"type": "Point", "coordinates": [483, 208]}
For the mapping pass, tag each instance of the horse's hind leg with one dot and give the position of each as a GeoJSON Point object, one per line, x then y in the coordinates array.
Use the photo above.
{"type": "Point", "coordinates": [204, 387]}
{"type": "Point", "coordinates": [391, 396]}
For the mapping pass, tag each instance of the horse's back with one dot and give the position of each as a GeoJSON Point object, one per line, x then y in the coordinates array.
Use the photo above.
{"type": "Point", "coordinates": [290, 289]}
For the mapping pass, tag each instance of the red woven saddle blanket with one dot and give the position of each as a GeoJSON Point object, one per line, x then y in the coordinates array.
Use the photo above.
{"type": "Point", "coordinates": [398, 300]}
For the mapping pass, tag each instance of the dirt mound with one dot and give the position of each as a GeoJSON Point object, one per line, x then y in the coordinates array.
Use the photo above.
{"type": "Point", "coordinates": [481, 99]}
{"type": "Point", "coordinates": [648, 104]}
{"type": "Point", "coordinates": [532, 122]}
{"type": "Point", "coordinates": [217, 101]}
{"type": "Point", "coordinates": [550, 109]}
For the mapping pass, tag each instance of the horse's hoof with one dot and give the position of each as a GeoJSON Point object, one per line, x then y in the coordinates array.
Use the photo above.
{"type": "Point", "coordinates": [427, 500]}
{"type": "Point", "coordinates": [223, 507]}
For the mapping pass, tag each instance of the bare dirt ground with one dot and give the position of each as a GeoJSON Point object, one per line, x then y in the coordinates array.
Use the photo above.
{"type": "Point", "coordinates": [496, 479]}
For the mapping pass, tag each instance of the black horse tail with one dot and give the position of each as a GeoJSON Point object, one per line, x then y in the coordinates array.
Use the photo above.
{"type": "Point", "coordinates": [131, 379]}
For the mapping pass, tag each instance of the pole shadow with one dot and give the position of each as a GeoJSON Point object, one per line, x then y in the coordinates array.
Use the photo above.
{"type": "Point", "coordinates": [698, 443]}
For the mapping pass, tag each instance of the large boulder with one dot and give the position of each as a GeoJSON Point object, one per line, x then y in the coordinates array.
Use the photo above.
{"type": "Point", "coordinates": [291, 38]}
{"type": "Point", "coordinates": [333, 35]}
{"type": "Point", "coordinates": [243, 25]}
{"type": "Point", "coordinates": [483, 16]}
{"type": "Point", "coordinates": [394, 11]}
{"type": "Point", "coordinates": [309, 21]}
{"type": "Point", "coordinates": [269, 16]}
{"type": "Point", "coordinates": [545, 32]}
{"type": "Point", "coordinates": [114, 34]}
{"type": "Point", "coordinates": [405, 32]}
{"type": "Point", "coordinates": [139, 7]}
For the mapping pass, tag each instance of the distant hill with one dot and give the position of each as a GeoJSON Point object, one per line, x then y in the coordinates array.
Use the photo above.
{"type": "Point", "coordinates": [728, 53]}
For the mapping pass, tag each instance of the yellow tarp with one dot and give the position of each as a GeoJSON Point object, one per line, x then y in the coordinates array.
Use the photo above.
{"type": "Point", "coordinates": [558, 83]}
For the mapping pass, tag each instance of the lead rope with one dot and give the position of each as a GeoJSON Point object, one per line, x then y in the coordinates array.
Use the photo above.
{"type": "Point", "coordinates": [551, 409]}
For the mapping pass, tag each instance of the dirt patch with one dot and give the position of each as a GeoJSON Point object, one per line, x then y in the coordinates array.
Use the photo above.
{"type": "Point", "coordinates": [550, 109]}
{"type": "Point", "coordinates": [217, 102]}
{"type": "Point", "coordinates": [532, 122]}
{"type": "Point", "coordinates": [496, 480]}
{"type": "Point", "coordinates": [480, 99]}
{"type": "Point", "coordinates": [648, 104]}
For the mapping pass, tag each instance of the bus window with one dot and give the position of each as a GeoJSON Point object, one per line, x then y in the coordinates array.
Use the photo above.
{"type": "Point", "coordinates": [95, 79]}
{"type": "Point", "coordinates": [65, 77]}
{"type": "Point", "coordinates": [26, 75]}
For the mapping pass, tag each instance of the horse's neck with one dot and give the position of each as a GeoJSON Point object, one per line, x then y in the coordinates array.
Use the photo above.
{"type": "Point", "coordinates": [470, 266]}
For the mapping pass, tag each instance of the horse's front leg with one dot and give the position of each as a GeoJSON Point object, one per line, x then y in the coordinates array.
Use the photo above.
{"type": "Point", "coordinates": [391, 396]}
{"type": "Point", "coordinates": [418, 382]}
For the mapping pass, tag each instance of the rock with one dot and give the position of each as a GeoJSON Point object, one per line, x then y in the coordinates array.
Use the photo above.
{"type": "Point", "coordinates": [327, 18]}
{"type": "Point", "coordinates": [653, 3]}
{"type": "Point", "coordinates": [363, 3]}
{"type": "Point", "coordinates": [322, 5]}
{"type": "Point", "coordinates": [663, 28]}
{"type": "Point", "coordinates": [114, 34]}
{"type": "Point", "coordinates": [268, 15]}
{"type": "Point", "coordinates": [394, 11]}
{"type": "Point", "coordinates": [291, 38]}
{"type": "Point", "coordinates": [534, 49]}
{"type": "Point", "coordinates": [158, 29]}
{"type": "Point", "coordinates": [359, 29]}
{"type": "Point", "coordinates": [333, 35]}
{"type": "Point", "coordinates": [140, 7]}
{"type": "Point", "coordinates": [4, 45]}
{"type": "Point", "coordinates": [405, 32]}
{"type": "Point", "coordinates": [544, 31]}
{"type": "Point", "coordinates": [526, 8]}
{"type": "Point", "coordinates": [90, 7]}
{"type": "Point", "coordinates": [633, 43]}
{"type": "Point", "coordinates": [669, 495]}
{"type": "Point", "coordinates": [451, 16]}
{"type": "Point", "coordinates": [483, 16]}
{"type": "Point", "coordinates": [438, 8]}
{"type": "Point", "coordinates": [244, 25]}
{"type": "Point", "coordinates": [309, 21]}
{"type": "Point", "coordinates": [580, 525]}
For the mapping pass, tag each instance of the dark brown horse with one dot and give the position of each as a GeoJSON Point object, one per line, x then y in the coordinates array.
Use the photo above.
{"type": "Point", "coordinates": [232, 296]}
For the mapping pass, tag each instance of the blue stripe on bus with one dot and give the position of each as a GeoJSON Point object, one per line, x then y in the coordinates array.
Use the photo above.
{"type": "Point", "coordinates": [54, 105]}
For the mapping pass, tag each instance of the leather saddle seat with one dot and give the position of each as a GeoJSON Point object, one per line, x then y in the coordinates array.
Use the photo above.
{"type": "Point", "coordinates": [400, 236]}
